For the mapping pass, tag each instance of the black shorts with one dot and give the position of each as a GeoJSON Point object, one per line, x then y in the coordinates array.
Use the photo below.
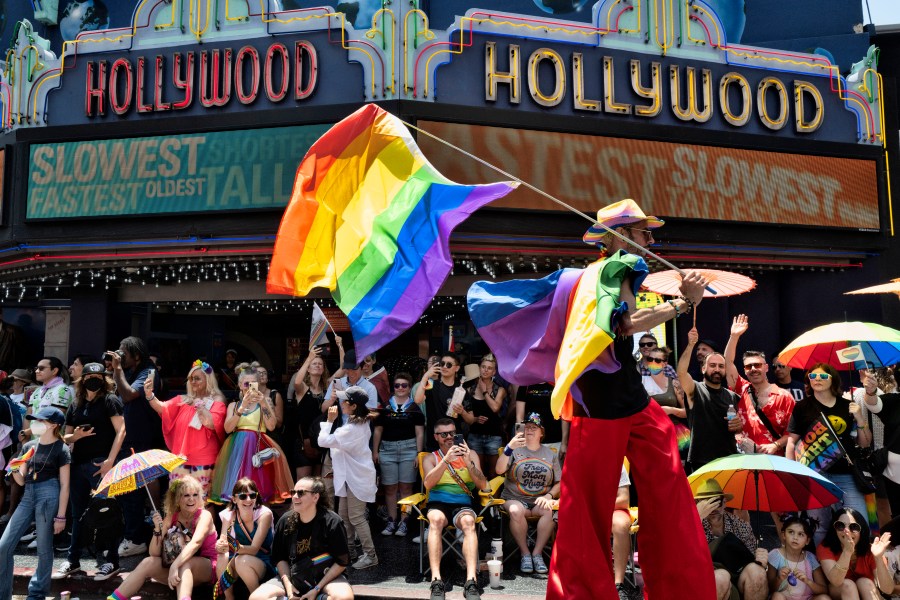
{"type": "Point", "coordinates": [451, 511]}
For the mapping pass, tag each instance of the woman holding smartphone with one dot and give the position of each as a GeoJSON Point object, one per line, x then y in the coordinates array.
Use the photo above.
{"type": "Point", "coordinates": [193, 424]}
{"type": "Point", "coordinates": [248, 451]}
{"type": "Point", "coordinates": [95, 428]}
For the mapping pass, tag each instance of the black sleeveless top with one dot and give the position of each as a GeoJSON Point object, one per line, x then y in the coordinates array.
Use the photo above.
{"type": "Point", "coordinates": [613, 395]}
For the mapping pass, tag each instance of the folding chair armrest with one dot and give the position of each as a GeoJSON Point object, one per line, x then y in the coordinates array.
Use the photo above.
{"type": "Point", "coordinates": [414, 500]}
{"type": "Point", "coordinates": [491, 501]}
{"type": "Point", "coordinates": [494, 484]}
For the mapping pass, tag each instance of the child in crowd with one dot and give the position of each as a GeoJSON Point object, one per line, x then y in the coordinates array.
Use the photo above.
{"type": "Point", "coordinates": [795, 572]}
{"type": "Point", "coordinates": [43, 470]}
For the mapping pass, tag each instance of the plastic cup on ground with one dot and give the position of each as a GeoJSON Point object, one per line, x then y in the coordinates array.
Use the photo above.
{"type": "Point", "coordinates": [494, 567]}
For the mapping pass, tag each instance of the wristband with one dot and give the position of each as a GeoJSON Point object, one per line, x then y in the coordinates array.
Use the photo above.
{"type": "Point", "coordinates": [63, 519]}
{"type": "Point", "coordinates": [671, 303]}
{"type": "Point", "coordinates": [316, 587]}
{"type": "Point", "coordinates": [690, 305]}
{"type": "Point", "coordinates": [507, 451]}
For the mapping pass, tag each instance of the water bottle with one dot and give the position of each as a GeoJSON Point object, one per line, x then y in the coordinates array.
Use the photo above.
{"type": "Point", "coordinates": [497, 548]}
{"type": "Point", "coordinates": [731, 414]}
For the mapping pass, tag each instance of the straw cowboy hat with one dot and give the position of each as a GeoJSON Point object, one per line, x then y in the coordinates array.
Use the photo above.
{"type": "Point", "coordinates": [711, 489]}
{"type": "Point", "coordinates": [618, 214]}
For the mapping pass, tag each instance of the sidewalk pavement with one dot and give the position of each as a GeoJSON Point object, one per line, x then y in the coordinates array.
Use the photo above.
{"type": "Point", "coordinates": [396, 576]}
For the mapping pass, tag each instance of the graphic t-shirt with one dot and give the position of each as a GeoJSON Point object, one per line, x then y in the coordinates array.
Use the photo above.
{"type": "Point", "coordinates": [842, 422]}
{"type": "Point", "coordinates": [310, 548]}
{"type": "Point", "coordinates": [531, 473]}
{"type": "Point", "coordinates": [806, 565]}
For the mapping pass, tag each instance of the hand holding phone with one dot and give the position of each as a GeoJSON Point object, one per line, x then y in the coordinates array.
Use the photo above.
{"type": "Point", "coordinates": [520, 428]}
{"type": "Point", "coordinates": [458, 439]}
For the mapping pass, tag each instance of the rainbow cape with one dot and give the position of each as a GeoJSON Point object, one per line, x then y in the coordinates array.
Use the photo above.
{"type": "Point", "coordinates": [558, 327]}
{"type": "Point", "coordinates": [370, 219]}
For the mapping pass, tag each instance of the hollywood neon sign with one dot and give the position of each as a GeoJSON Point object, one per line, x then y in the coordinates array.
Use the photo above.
{"type": "Point", "coordinates": [214, 78]}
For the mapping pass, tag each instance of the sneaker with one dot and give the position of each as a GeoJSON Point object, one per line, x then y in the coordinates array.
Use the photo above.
{"type": "Point", "coordinates": [105, 571]}
{"type": "Point", "coordinates": [62, 542]}
{"type": "Point", "coordinates": [527, 564]}
{"type": "Point", "coordinates": [65, 569]}
{"type": "Point", "coordinates": [418, 539]}
{"type": "Point", "coordinates": [401, 529]}
{"type": "Point", "coordinates": [32, 545]}
{"type": "Point", "coordinates": [390, 528]}
{"type": "Point", "coordinates": [470, 590]}
{"type": "Point", "coordinates": [437, 589]}
{"type": "Point", "coordinates": [30, 536]}
{"type": "Point", "coordinates": [366, 561]}
{"type": "Point", "coordinates": [129, 548]}
{"type": "Point", "coordinates": [628, 591]}
{"type": "Point", "coordinates": [539, 566]}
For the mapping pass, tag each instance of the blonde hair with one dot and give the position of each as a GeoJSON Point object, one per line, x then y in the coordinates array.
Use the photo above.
{"type": "Point", "coordinates": [212, 384]}
{"type": "Point", "coordinates": [177, 488]}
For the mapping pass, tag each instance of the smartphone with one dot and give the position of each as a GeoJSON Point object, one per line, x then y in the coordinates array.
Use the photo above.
{"type": "Point", "coordinates": [520, 428]}
{"type": "Point", "coordinates": [85, 427]}
{"type": "Point", "coordinates": [254, 385]}
{"type": "Point", "coordinates": [458, 439]}
{"type": "Point", "coordinates": [151, 376]}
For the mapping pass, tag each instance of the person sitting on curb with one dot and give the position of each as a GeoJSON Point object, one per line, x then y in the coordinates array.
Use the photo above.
{"type": "Point", "coordinates": [739, 563]}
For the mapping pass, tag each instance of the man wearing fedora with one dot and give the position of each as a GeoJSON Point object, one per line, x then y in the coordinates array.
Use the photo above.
{"type": "Point", "coordinates": [740, 564]}
{"type": "Point", "coordinates": [614, 418]}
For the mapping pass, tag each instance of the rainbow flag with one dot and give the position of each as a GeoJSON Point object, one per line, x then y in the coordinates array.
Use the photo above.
{"type": "Point", "coordinates": [317, 327]}
{"type": "Point", "coordinates": [16, 463]}
{"type": "Point", "coordinates": [370, 219]}
{"type": "Point", "coordinates": [555, 328]}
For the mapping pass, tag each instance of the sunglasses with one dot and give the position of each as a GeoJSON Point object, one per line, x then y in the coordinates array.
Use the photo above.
{"type": "Point", "coordinates": [646, 232]}
{"type": "Point", "coordinates": [247, 495]}
{"type": "Point", "coordinates": [447, 365]}
{"type": "Point", "coordinates": [401, 386]}
{"type": "Point", "coordinates": [752, 366]}
{"type": "Point", "coordinates": [301, 493]}
{"type": "Point", "coordinates": [658, 361]}
{"type": "Point", "coordinates": [647, 344]}
{"type": "Point", "coordinates": [840, 526]}
{"type": "Point", "coordinates": [446, 434]}
{"type": "Point", "coordinates": [39, 368]}
{"type": "Point", "coordinates": [822, 376]}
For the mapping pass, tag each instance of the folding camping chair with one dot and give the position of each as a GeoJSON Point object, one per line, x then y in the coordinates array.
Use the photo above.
{"type": "Point", "coordinates": [418, 502]}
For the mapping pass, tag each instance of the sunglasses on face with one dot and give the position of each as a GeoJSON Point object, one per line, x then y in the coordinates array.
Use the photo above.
{"type": "Point", "coordinates": [247, 495]}
{"type": "Point", "coordinates": [447, 365]}
{"type": "Point", "coordinates": [446, 434]}
{"type": "Point", "coordinates": [752, 366]}
{"type": "Point", "coordinates": [400, 386]}
{"type": "Point", "coordinates": [646, 232]}
{"type": "Point", "coordinates": [658, 361]}
{"type": "Point", "coordinates": [647, 344]}
{"type": "Point", "coordinates": [40, 368]}
{"type": "Point", "coordinates": [822, 376]}
{"type": "Point", "coordinates": [301, 493]}
{"type": "Point", "coordinates": [840, 526]}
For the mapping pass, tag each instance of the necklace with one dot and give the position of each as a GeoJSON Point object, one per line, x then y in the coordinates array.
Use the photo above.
{"type": "Point", "coordinates": [50, 454]}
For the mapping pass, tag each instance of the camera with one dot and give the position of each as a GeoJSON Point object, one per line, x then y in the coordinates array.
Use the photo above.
{"type": "Point", "coordinates": [120, 354]}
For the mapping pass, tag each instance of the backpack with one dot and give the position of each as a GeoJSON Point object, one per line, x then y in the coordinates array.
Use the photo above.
{"type": "Point", "coordinates": [102, 524]}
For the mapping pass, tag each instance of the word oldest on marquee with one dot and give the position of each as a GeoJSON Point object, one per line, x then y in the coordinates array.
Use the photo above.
{"type": "Point", "coordinates": [214, 77]}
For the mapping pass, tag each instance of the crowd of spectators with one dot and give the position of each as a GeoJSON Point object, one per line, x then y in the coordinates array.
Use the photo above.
{"type": "Point", "coordinates": [316, 469]}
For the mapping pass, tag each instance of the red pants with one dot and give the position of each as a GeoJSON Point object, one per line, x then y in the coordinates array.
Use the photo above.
{"type": "Point", "coordinates": [675, 559]}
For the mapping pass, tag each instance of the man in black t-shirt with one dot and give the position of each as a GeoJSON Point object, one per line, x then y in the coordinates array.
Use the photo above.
{"type": "Point", "coordinates": [309, 550]}
{"type": "Point", "coordinates": [712, 433]}
{"type": "Point", "coordinates": [784, 381]}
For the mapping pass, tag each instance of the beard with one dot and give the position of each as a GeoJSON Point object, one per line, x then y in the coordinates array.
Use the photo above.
{"type": "Point", "coordinates": [715, 378]}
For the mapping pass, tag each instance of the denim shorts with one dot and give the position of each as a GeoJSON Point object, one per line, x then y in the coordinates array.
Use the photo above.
{"type": "Point", "coordinates": [480, 443]}
{"type": "Point", "coordinates": [398, 461]}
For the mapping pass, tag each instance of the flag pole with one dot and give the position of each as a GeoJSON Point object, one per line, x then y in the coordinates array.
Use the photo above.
{"type": "Point", "coordinates": [552, 199]}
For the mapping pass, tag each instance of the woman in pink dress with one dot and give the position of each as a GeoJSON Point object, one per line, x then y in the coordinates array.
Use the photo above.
{"type": "Point", "coordinates": [193, 424]}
